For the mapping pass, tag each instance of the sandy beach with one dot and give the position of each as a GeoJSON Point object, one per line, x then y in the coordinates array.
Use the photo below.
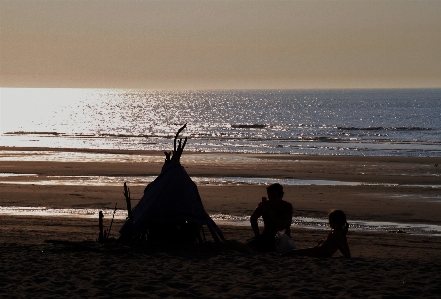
{"type": "Point", "coordinates": [379, 189]}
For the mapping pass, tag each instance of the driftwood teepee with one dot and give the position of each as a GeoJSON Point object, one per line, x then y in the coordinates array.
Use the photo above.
{"type": "Point", "coordinates": [171, 208]}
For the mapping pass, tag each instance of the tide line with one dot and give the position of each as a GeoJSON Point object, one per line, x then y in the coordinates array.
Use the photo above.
{"type": "Point", "coordinates": [233, 220]}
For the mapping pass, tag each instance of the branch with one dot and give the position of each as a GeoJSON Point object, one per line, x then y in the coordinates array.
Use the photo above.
{"type": "Point", "coordinates": [177, 151]}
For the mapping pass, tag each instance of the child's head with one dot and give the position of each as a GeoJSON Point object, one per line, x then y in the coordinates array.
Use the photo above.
{"type": "Point", "coordinates": [337, 219]}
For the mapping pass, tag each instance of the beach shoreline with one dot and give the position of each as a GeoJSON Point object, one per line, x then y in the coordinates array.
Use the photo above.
{"type": "Point", "coordinates": [396, 189]}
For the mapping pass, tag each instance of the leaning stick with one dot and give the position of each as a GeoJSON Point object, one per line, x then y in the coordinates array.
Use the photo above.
{"type": "Point", "coordinates": [113, 217]}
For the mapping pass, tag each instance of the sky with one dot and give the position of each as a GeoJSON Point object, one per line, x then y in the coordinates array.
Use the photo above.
{"type": "Point", "coordinates": [220, 44]}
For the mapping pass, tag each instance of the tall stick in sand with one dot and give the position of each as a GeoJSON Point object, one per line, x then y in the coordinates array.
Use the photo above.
{"type": "Point", "coordinates": [129, 212]}
{"type": "Point", "coordinates": [129, 207]}
{"type": "Point", "coordinates": [101, 235]}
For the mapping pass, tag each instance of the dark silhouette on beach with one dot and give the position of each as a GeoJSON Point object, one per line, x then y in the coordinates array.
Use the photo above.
{"type": "Point", "coordinates": [277, 216]}
{"type": "Point", "coordinates": [336, 239]}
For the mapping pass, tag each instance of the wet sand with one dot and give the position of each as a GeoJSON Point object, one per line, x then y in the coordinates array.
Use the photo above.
{"type": "Point", "coordinates": [383, 264]}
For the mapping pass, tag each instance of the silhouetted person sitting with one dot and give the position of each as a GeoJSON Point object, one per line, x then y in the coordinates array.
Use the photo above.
{"type": "Point", "coordinates": [277, 216]}
{"type": "Point", "coordinates": [336, 239]}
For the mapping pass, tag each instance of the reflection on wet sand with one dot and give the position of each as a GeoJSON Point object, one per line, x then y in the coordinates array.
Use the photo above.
{"type": "Point", "coordinates": [234, 220]}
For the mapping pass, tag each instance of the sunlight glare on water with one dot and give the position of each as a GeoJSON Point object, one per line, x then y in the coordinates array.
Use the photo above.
{"type": "Point", "coordinates": [335, 122]}
{"type": "Point", "coordinates": [39, 109]}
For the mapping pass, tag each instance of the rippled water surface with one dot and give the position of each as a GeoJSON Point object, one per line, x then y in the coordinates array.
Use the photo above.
{"type": "Point", "coordinates": [355, 122]}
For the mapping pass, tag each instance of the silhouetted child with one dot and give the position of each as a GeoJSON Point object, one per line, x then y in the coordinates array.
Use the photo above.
{"type": "Point", "coordinates": [336, 239]}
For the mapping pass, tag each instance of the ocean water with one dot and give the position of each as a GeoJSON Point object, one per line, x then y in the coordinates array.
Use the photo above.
{"type": "Point", "coordinates": [402, 122]}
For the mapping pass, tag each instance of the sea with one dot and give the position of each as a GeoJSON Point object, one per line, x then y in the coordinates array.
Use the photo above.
{"type": "Point", "coordinates": [360, 122]}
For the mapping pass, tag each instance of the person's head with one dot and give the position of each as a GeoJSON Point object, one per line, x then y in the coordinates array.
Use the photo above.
{"type": "Point", "coordinates": [275, 191]}
{"type": "Point", "coordinates": [337, 220]}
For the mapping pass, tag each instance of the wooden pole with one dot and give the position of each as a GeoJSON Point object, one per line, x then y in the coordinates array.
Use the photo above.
{"type": "Point", "coordinates": [129, 213]}
{"type": "Point", "coordinates": [101, 235]}
{"type": "Point", "coordinates": [129, 206]}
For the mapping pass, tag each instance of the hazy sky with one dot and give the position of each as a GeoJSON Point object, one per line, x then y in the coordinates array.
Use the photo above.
{"type": "Point", "coordinates": [220, 44]}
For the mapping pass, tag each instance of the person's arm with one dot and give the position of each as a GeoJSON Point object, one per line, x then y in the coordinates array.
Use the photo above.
{"type": "Point", "coordinates": [346, 252]}
{"type": "Point", "coordinates": [288, 220]}
{"type": "Point", "coordinates": [342, 244]}
{"type": "Point", "coordinates": [253, 220]}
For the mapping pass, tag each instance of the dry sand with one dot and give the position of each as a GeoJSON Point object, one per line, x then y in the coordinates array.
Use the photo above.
{"type": "Point", "coordinates": [384, 265]}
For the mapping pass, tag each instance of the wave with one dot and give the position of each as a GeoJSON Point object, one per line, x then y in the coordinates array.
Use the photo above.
{"type": "Point", "coordinates": [80, 135]}
{"type": "Point", "coordinates": [240, 139]}
{"type": "Point", "coordinates": [322, 139]}
{"type": "Point", "coordinates": [248, 126]}
{"type": "Point", "coordinates": [33, 133]}
{"type": "Point", "coordinates": [383, 129]}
